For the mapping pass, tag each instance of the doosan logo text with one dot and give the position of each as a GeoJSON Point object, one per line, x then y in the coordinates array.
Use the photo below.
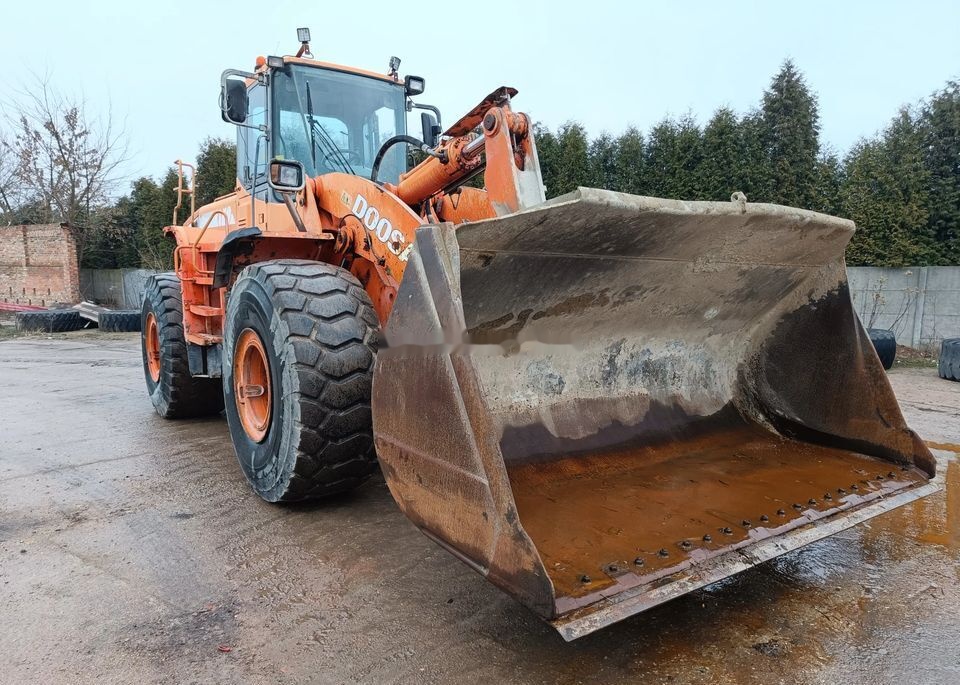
{"type": "Point", "coordinates": [378, 225]}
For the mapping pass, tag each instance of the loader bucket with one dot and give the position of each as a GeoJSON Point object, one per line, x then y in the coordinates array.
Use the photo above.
{"type": "Point", "coordinates": [608, 401]}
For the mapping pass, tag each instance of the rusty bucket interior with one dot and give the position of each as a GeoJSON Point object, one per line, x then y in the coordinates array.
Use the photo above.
{"type": "Point", "coordinates": [608, 401]}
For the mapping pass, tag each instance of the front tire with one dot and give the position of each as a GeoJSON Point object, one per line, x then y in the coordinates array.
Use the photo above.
{"type": "Point", "coordinates": [299, 348]}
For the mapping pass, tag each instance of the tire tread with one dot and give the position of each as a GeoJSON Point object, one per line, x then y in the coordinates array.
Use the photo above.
{"type": "Point", "coordinates": [948, 365]}
{"type": "Point", "coordinates": [334, 432]}
{"type": "Point", "coordinates": [885, 343]}
{"type": "Point", "coordinates": [50, 321]}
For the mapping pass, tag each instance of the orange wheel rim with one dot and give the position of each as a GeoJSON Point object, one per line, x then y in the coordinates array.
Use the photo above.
{"type": "Point", "coordinates": [153, 347]}
{"type": "Point", "coordinates": [251, 384]}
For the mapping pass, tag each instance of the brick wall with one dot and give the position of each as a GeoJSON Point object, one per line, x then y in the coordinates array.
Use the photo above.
{"type": "Point", "coordinates": [38, 265]}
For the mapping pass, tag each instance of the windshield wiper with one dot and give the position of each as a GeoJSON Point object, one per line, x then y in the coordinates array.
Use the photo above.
{"type": "Point", "coordinates": [313, 141]}
{"type": "Point", "coordinates": [332, 150]}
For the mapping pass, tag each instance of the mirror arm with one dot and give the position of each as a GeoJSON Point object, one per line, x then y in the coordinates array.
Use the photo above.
{"type": "Point", "coordinates": [432, 108]}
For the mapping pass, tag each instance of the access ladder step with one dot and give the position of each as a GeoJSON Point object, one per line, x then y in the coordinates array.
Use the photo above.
{"type": "Point", "coordinates": [204, 310]}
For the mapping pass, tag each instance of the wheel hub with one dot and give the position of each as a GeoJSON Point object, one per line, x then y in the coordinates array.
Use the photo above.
{"type": "Point", "coordinates": [152, 338]}
{"type": "Point", "coordinates": [251, 384]}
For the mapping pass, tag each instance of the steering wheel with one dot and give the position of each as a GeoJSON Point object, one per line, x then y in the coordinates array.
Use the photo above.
{"type": "Point", "coordinates": [352, 156]}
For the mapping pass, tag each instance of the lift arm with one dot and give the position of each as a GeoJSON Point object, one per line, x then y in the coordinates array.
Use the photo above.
{"type": "Point", "coordinates": [505, 150]}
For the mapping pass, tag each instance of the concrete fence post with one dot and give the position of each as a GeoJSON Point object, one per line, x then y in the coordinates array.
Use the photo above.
{"type": "Point", "coordinates": [918, 307]}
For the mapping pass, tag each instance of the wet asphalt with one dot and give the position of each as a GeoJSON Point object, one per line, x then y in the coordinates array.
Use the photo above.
{"type": "Point", "coordinates": [132, 550]}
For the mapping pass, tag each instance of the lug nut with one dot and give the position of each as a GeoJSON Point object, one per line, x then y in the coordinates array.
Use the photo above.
{"type": "Point", "coordinates": [638, 562]}
{"type": "Point", "coordinates": [584, 578]}
{"type": "Point", "coordinates": [726, 531]}
{"type": "Point", "coordinates": [781, 512]}
{"type": "Point", "coordinates": [841, 491]}
{"type": "Point", "coordinates": [685, 544]}
{"type": "Point", "coordinates": [707, 538]}
{"type": "Point", "coordinates": [613, 568]}
{"type": "Point", "coordinates": [798, 506]}
{"type": "Point", "coordinates": [827, 496]}
{"type": "Point", "coordinates": [764, 518]}
{"type": "Point", "coordinates": [745, 523]}
{"type": "Point", "coordinates": [890, 475]}
{"type": "Point", "coordinates": [663, 553]}
{"type": "Point", "coordinates": [854, 487]}
{"type": "Point", "coordinates": [811, 501]}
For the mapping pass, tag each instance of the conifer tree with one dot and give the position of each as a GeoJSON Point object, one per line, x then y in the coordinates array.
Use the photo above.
{"type": "Point", "coordinates": [629, 168]}
{"type": "Point", "coordinates": [572, 159]}
{"type": "Point", "coordinates": [940, 120]}
{"type": "Point", "coordinates": [602, 158]}
{"type": "Point", "coordinates": [720, 173]}
{"type": "Point", "coordinates": [790, 129]}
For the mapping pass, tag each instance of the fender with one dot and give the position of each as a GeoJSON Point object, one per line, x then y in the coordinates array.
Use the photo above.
{"type": "Point", "coordinates": [236, 242]}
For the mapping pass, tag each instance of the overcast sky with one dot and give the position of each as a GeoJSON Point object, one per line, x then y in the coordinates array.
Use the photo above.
{"type": "Point", "coordinates": [604, 64]}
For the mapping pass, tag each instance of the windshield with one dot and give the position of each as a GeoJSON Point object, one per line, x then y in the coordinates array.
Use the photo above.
{"type": "Point", "coordinates": [333, 121]}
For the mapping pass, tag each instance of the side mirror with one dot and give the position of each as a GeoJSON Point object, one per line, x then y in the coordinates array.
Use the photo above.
{"type": "Point", "coordinates": [414, 85]}
{"type": "Point", "coordinates": [233, 101]}
{"type": "Point", "coordinates": [431, 131]}
{"type": "Point", "coordinates": [285, 175]}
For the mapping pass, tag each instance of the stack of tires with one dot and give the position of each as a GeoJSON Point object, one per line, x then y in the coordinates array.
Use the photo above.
{"type": "Point", "coordinates": [949, 365]}
{"type": "Point", "coordinates": [66, 320]}
{"type": "Point", "coordinates": [885, 343]}
{"type": "Point", "coordinates": [120, 321]}
{"type": "Point", "coordinates": [50, 321]}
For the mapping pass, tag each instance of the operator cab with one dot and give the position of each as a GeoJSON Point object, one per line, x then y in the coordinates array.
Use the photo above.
{"type": "Point", "coordinates": [335, 121]}
{"type": "Point", "coordinates": [327, 117]}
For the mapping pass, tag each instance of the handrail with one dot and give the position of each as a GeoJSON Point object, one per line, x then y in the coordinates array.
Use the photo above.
{"type": "Point", "coordinates": [206, 224]}
{"type": "Point", "coordinates": [195, 245]}
{"type": "Point", "coordinates": [181, 189]}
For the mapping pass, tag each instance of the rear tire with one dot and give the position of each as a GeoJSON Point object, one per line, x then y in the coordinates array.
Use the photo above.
{"type": "Point", "coordinates": [299, 349]}
{"type": "Point", "coordinates": [174, 392]}
{"type": "Point", "coordinates": [948, 365]}
{"type": "Point", "coordinates": [50, 321]}
{"type": "Point", "coordinates": [885, 343]}
{"type": "Point", "coordinates": [119, 321]}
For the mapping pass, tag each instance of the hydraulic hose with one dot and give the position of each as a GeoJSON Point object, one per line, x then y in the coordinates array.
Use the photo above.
{"type": "Point", "coordinates": [409, 140]}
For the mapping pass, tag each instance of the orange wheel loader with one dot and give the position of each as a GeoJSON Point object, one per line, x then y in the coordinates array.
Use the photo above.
{"type": "Point", "coordinates": [599, 402]}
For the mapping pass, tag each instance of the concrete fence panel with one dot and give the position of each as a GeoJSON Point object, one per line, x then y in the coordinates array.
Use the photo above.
{"type": "Point", "coordinates": [120, 288]}
{"type": "Point", "coordinates": [921, 304]}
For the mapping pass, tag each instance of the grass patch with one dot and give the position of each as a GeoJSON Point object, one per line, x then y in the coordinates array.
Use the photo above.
{"type": "Point", "coordinates": [9, 332]}
{"type": "Point", "coordinates": [916, 363]}
{"type": "Point", "coordinates": [911, 358]}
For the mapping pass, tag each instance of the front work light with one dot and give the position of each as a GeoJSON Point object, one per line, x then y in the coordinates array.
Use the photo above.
{"type": "Point", "coordinates": [414, 85]}
{"type": "Point", "coordinates": [286, 175]}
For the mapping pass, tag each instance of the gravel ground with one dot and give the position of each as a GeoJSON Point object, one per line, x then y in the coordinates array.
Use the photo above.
{"type": "Point", "coordinates": [132, 550]}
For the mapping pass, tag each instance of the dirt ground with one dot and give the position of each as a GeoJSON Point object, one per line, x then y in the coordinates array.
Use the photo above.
{"type": "Point", "coordinates": [132, 550]}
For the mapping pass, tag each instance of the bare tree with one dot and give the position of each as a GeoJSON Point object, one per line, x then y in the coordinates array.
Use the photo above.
{"type": "Point", "coordinates": [11, 195]}
{"type": "Point", "coordinates": [63, 162]}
